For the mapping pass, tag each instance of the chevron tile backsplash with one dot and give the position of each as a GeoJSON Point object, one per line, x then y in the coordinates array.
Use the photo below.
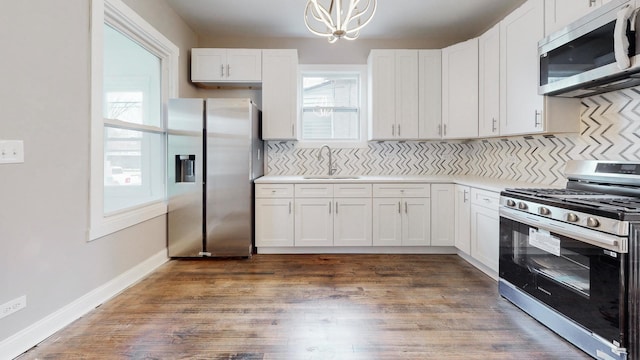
{"type": "Point", "coordinates": [609, 130]}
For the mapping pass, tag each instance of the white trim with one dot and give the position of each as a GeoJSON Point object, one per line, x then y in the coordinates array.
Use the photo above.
{"type": "Point", "coordinates": [36, 333]}
{"type": "Point", "coordinates": [478, 265]}
{"type": "Point", "coordinates": [125, 19]}
{"type": "Point", "coordinates": [360, 250]}
{"type": "Point", "coordinates": [328, 69]}
{"type": "Point", "coordinates": [116, 222]}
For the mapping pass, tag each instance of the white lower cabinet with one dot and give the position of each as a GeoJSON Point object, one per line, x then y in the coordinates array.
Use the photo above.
{"type": "Point", "coordinates": [442, 215]}
{"type": "Point", "coordinates": [401, 215]}
{"type": "Point", "coordinates": [332, 215]}
{"type": "Point", "coordinates": [352, 222]}
{"type": "Point", "coordinates": [485, 227]}
{"type": "Point", "coordinates": [314, 222]}
{"type": "Point", "coordinates": [462, 219]}
{"type": "Point", "coordinates": [274, 215]}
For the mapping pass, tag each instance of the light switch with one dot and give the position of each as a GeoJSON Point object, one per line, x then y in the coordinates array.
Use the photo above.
{"type": "Point", "coordinates": [11, 151]}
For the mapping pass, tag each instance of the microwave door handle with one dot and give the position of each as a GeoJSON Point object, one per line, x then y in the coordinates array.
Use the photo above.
{"type": "Point", "coordinates": [620, 40]}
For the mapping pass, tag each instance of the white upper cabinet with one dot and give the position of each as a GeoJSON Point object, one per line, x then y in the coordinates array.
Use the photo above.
{"type": "Point", "coordinates": [522, 110]}
{"type": "Point", "coordinates": [226, 65]}
{"type": "Point", "coordinates": [489, 84]}
{"type": "Point", "coordinates": [430, 93]}
{"type": "Point", "coordinates": [279, 94]}
{"type": "Point", "coordinates": [560, 13]}
{"type": "Point", "coordinates": [393, 94]}
{"type": "Point", "coordinates": [460, 90]}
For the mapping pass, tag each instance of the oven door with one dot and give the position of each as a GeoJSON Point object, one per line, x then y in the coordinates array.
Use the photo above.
{"type": "Point", "coordinates": [580, 280]}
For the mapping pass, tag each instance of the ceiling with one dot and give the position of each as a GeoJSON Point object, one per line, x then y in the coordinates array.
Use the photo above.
{"type": "Point", "coordinates": [397, 19]}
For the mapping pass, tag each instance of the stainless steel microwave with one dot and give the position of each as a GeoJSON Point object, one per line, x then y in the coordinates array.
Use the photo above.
{"type": "Point", "coordinates": [595, 54]}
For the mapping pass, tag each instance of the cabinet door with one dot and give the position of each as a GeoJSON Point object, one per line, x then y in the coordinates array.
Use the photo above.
{"type": "Point", "coordinates": [279, 94]}
{"type": "Point", "coordinates": [382, 94]}
{"type": "Point", "coordinates": [442, 214]}
{"type": "Point", "coordinates": [485, 233]}
{"type": "Point", "coordinates": [416, 221]}
{"type": "Point", "coordinates": [244, 65]}
{"type": "Point", "coordinates": [406, 94]}
{"type": "Point", "coordinates": [352, 222]}
{"type": "Point", "coordinates": [489, 105]}
{"type": "Point", "coordinates": [208, 64]}
{"type": "Point", "coordinates": [559, 13]}
{"type": "Point", "coordinates": [274, 222]}
{"type": "Point", "coordinates": [314, 222]}
{"type": "Point", "coordinates": [460, 90]}
{"type": "Point", "coordinates": [430, 94]}
{"type": "Point", "coordinates": [462, 219]}
{"type": "Point", "coordinates": [520, 105]}
{"type": "Point", "coordinates": [387, 222]}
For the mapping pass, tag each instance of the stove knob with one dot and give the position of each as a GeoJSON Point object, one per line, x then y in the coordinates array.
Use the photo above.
{"type": "Point", "coordinates": [544, 211]}
{"type": "Point", "coordinates": [522, 206]}
{"type": "Point", "coordinates": [511, 203]}
{"type": "Point", "coordinates": [571, 217]}
{"type": "Point", "coordinates": [592, 222]}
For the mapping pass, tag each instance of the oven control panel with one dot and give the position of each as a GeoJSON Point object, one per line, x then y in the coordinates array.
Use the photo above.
{"type": "Point", "coordinates": [611, 226]}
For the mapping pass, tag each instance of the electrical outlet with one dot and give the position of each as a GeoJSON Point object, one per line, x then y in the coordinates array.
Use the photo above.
{"type": "Point", "coordinates": [12, 306]}
{"type": "Point", "coordinates": [11, 151]}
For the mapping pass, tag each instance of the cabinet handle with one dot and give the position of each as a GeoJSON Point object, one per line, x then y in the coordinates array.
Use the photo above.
{"type": "Point", "coordinates": [336, 207]}
{"type": "Point", "coordinates": [592, 3]}
{"type": "Point", "coordinates": [494, 128]}
{"type": "Point", "coordinates": [329, 207]}
{"type": "Point", "coordinates": [399, 211]}
{"type": "Point", "coordinates": [406, 210]}
{"type": "Point", "coordinates": [398, 129]}
{"type": "Point", "coordinates": [293, 130]}
{"type": "Point", "coordinates": [289, 207]}
{"type": "Point", "coordinates": [228, 70]}
{"type": "Point", "coordinates": [445, 130]}
{"type": "Point", "coordinates": [538, 114]}
{"type": "Point", "coordinates": [393, 130]}
{"type": "Point", "coordinates": [221, 70]}
{"type": "Point", "coordinates": [465, 198]}
{"type": "Point", "coordinates": [439, 129]}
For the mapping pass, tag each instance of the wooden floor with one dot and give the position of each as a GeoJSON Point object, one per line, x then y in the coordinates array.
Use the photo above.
{"type": "Point", "coordinates": [309, 307]}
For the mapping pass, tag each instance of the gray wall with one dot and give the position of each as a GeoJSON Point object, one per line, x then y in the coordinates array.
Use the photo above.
{"type": "Point", "coordinates": [44, 100]}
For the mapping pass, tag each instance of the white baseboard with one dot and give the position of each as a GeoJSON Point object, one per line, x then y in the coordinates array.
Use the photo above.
{"type": "Point", "coordinates": [39, 331]}
{"type": "Point", "coordinates": [480, 266]}
{"type": "Point", "coordinates": [359, 250]}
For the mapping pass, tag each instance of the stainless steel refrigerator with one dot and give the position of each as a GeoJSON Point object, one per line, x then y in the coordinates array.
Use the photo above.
{"type": "Point", "coordinates": [214, 154]}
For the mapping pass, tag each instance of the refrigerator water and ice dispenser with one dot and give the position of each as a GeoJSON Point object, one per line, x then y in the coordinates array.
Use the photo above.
{"type": "Point", "coordinates": [185, 168]}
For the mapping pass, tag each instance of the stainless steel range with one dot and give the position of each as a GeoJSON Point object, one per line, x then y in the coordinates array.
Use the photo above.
{"type": "Point", "coordinates": [571, 257]}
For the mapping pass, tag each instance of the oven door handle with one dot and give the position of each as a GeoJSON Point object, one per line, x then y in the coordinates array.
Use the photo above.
{"type": "Point", "coordinates": [593, 237]}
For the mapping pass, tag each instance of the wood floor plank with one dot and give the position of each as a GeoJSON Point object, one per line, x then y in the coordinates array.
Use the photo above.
{"type": "Point", "coordinates": [309, 307]}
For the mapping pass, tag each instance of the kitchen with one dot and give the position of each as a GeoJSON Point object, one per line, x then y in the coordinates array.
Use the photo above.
{"type": "Point", "coordinates": [49, 258]}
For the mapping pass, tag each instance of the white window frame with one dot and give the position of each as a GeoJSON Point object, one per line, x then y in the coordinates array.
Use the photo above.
{"type": "Point", "coordinates": [363, 121]}
{"type": "Point", "coordinates": [121, 17]}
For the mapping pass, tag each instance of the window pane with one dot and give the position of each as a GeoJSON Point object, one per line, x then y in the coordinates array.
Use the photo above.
{"type": "Point", "coordinates": [330, 106]}
{"type": "Point", "coordinates": [133, 168]}
{"type": "Point", "coordinates": [132, 81]}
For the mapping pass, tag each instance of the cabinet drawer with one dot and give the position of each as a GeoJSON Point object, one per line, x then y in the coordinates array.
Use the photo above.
{"type": "Point", "coordinates": [313, 190]}
{"type": "Point", "coordinates": [401, 190]}
{"type": "Point", "coordinates": [274, 190]}
{"type": "Point", "coordinates": [484, 198]}
{"type": "Point", "coordinates": [352, 190]}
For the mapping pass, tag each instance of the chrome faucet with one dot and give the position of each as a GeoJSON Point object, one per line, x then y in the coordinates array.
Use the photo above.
{"type": "Point", "coordinates": [331, 168]}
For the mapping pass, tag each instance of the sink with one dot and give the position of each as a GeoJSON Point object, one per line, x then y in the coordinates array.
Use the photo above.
{"type": "Point", "coordinates": [327, 177]}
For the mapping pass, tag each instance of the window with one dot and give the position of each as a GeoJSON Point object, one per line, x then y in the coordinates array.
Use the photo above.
{"type": "Point", "coordinates": [332, 100]}
{"type": "Point", "coordinates": [134, 71]}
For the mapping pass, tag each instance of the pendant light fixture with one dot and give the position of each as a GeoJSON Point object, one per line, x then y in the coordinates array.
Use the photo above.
{"type": "Point", "coordinates": [343, 18]}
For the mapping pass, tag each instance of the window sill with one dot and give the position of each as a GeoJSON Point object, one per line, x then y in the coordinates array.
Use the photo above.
{"type": "Point", "coordinates": [117, 222]}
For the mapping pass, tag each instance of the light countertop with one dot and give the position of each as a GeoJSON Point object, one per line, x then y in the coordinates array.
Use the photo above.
{"type": "Point", "coordinates": [489, 184]}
